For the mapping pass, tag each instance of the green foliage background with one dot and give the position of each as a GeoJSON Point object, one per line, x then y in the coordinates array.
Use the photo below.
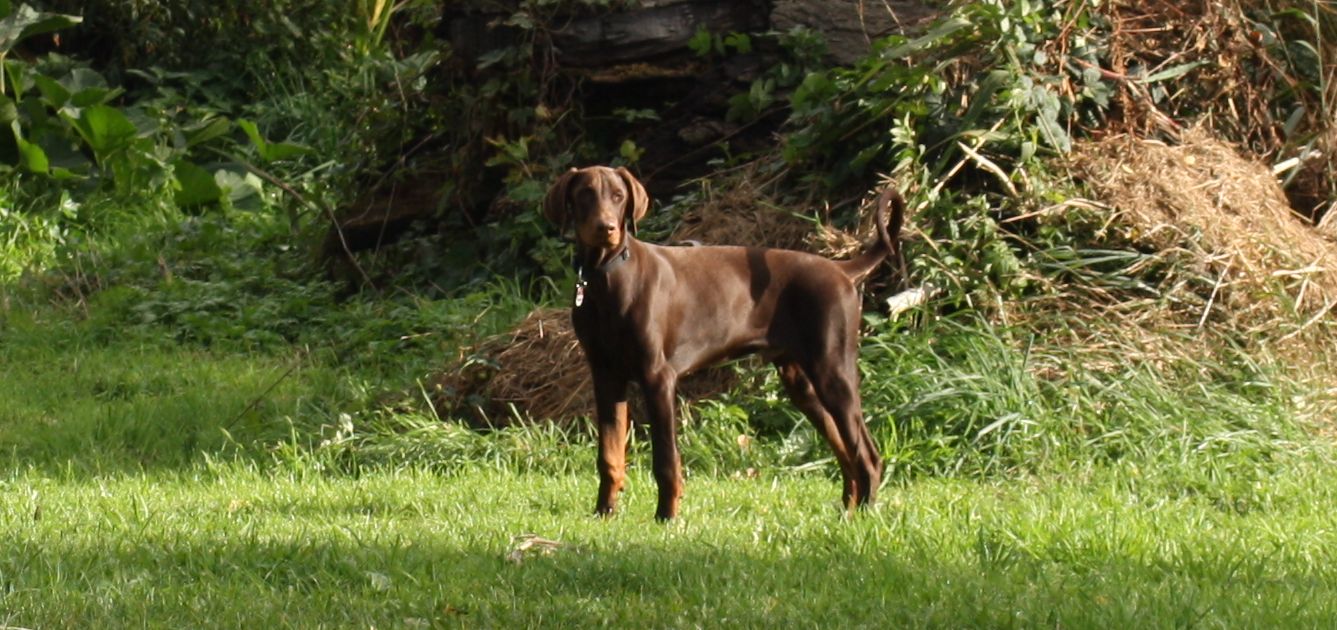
{"type": "Point", "coordinates": [173, 167]}
{"type": "Point", "coordinates": [203, 426]}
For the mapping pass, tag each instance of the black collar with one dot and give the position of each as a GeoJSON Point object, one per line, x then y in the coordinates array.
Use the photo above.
{"type": "Point", "coordinates": [607, 267]}
{"type": "Point", "coordinates": [603, 270]}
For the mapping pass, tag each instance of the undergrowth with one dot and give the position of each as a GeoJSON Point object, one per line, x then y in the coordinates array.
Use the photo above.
{"type": "Point", "coordinates": [957, 397]}
{"type": "Point", "coordinates": [203, 429]}
{"type": "Point", "coordinates": [985, 100]}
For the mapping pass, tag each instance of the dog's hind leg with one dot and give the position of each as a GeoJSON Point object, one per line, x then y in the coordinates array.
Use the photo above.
{"type": "Point", "coordinates": [804, 397]}
{"type": "Point", "coordinates": [836, 383]}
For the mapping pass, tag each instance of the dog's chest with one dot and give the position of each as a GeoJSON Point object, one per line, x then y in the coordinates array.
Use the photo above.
{"type": "Point", "coordinates": [609, 329]}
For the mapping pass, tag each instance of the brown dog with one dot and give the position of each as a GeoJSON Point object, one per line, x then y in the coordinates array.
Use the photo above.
{"type": "Point", "coordinates": [651, 314]}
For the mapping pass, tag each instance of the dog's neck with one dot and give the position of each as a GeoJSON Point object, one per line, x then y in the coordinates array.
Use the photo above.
{"type": "Point", "coordinates": [599, 261]}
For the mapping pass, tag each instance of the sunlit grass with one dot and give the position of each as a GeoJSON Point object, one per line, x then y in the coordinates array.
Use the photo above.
{"type": "Point", "coordinates": [153, 483]}
{"type": "Point", "coordinates": [224, 545]}
{"type": "Point", "coordinates": [144, 403]}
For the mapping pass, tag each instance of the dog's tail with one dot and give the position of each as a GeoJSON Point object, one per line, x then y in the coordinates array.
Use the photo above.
{"type": "Point", "coordinates": [888, 238]}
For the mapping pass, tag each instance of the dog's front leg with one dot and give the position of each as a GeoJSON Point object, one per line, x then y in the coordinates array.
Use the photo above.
{"type": "Point", "coordinates": [610, 400]}
{"type": "Point", "coordinates": [660, 401]}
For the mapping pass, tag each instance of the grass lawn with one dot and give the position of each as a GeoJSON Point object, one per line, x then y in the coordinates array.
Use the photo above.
{"type": "Point", "coordinates": [231, 301]}
{"type": "Point", "coordinates": [155, 485]}
{"type": "Point", "coordinates": [230, 545]}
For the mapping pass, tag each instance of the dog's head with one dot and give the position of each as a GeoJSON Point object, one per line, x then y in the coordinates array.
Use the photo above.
{"type": "Point", "coordinates": [599, 202]}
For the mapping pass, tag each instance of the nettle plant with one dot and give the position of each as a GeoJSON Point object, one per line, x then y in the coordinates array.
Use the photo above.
{"type": "Point", "coordinates": [1003, 79]}
{"type": "Point", "coordinates": [68, 126]}
{"type": "Point", "coordinates": [964, 113]}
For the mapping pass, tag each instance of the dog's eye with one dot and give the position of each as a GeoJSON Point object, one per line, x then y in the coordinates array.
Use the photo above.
{"type": "Point", "coordinates": [617, 196]}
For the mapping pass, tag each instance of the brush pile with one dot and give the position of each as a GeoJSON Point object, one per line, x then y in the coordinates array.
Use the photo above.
{"type": "Point", "coordinates": [743, 214]}
{"type": "Point", "coordinates": [1255, 71]}
{"type": "Point", "coordinates": [1221, 228]}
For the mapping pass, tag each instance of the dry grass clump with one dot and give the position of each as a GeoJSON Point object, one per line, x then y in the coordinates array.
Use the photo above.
{"type": "Point", "coordinates": [1226, 217]}
{"type": "Point", "coordinates": [537, 372]}
{"type": "Point", "coordinates": [1327, 225]}
{"type": "Point", "coordinates": [740, 214]}
{"type": "Point", "coordinates": [1243, 75]}
{"type": "Point", "coordinates": [538, 367]}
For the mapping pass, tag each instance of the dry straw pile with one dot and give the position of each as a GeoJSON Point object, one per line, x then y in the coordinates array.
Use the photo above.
{"type": "Point", "coordinates": [742, 214]}
{"type": "Point", "coordinates": [538, 368]}
{"type": "Point", "coordinates": [1249, 258]}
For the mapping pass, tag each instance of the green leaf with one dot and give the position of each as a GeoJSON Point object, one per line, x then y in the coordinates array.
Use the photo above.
{"type": "Point", "coordinates": [207, 130]}
{"type": "Point", "coordinates": [31, 156]}
{"type": "Point", "coordinates": [1296, 14]}
{"type": "Point", "coordinates": [285, 150]}
{"type": "Point", "coordinates": [104, 129]}
{"type": "Point", "coordinates": [700, 42]}
{"type": "Point", "coordinates": [1054, 133]}
{"type": "Point", "coordinates": [17, 71]}
{"type": "Point", "coordinates": [1027, 151]}
{"type": "Point", "coordinates": [80, 79]}
{"type": "Point", "coordinates": [984, 95]}
{"type": "Point", "coordinates": [739, 42]}
{"type": "Point", "coordinates": [243, 189]}
{"type": "Point", "coordinates": [630, 152]}
{"type": "Point", "coordinates": [67, 161]}
{"type": "Point", "coordinates": [145, 122]}
{"type": "Point", "coordinates": [27, 21]}
{"type": "Point", "coordinates": [491, 58]}
{"type": "Point", "coordinates": [253, 133]}
{"type": "Point", "coordinates": [92, 96]}
{"type": "Point", "coordinates": [528, 191]}
{"type": "Point", "coordinates": [1293, 121]}
{"type": "Point", "coordinates": [88, 88]}
{"type": "Point", "coordinates": [522, 20]}
{"type": "Point", "coordinates": [941, 31]}
{"type": "Point", "coordinates": [816, 89]}
{"type": "Point", "coordinates": [53, 93]}
{"type": "Point", "coordinates": [9, 111]}
{"type": "Point", "coordinates": [1173, 73]}
{"type": "Point", "coordinates": [633, 115]}
{"type": "Point", "coordinates": [195, 186]}
{"type": "Point", "coordinates": [267, 151]}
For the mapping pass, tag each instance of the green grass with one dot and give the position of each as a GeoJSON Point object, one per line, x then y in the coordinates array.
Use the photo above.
{"type": "Point", "coordinates": [197, 430]}
{"type": "Point", "coordinates": [230, 545]}
{"type": "Point", "coordinates": [164, 484]}
{"type": "Point", "coordinates": [141, 403]}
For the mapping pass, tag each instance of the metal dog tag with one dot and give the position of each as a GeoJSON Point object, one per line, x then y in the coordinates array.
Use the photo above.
{"type": "Point", "coordinates": [580, 294]}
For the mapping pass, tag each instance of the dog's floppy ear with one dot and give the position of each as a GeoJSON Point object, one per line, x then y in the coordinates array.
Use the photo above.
{"type": "Point", "coordinates": [554, 204]}
{"type": "Point", "coordinates": [637, 201]}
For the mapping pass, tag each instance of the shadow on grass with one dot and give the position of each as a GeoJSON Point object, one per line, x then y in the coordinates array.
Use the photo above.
{"type": "Point", "coordinates": [846, 579]}
{"type": "Point", "coordinates": [131, 408]}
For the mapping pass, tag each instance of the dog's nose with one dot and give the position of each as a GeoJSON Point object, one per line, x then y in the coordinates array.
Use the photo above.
{"type": "Point", "coordinates": [608, 227]}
